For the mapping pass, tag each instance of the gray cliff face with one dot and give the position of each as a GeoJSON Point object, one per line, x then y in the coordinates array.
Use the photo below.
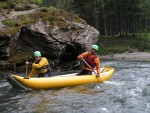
{"type": "Point", "coordinates": [61, 45]}
{"type": "Point", "coordinates": [4, 50]}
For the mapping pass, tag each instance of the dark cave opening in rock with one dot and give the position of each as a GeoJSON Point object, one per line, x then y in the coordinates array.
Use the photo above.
{"type": "Point", "coordinates": [68, 59]}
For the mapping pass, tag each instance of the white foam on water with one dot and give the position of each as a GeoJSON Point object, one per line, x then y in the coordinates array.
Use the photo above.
{"type": "Point", "coordinates": [114, 83]}
{"type": "Point", "coordinates": [97, 87]}
{"type": "Point", "coordinates": [4, 84]}
{"type": "Point", "coordinates": [105, 109]}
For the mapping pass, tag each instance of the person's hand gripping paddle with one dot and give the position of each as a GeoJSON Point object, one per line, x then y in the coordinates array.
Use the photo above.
{"type": "Point", "coordinates": [91, 68]}
{"type": "Point", "coordinates": [27, 65]}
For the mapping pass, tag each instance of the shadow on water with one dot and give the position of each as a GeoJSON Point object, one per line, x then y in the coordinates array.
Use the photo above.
{"type": "Point", "coordinates": [40, 101]}
{"type": "Point", "coordinates": [8, 96]}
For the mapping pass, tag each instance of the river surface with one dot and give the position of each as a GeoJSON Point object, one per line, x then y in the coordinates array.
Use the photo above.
{"type": "Point", "coordinates": [127, 91]}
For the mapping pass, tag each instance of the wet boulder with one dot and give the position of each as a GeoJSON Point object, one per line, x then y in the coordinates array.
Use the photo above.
{"type": "Point", "coordinates": [61, 43]}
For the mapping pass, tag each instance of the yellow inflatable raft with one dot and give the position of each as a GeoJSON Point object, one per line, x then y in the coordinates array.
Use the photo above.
{"type": "Point", "coordinates": [58, 81]}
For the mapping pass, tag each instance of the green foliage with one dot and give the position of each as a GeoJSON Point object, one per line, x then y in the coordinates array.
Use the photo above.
{"type": "Point", "coordinates": [44, 9]}
{"type": "Point", "coordinates": [10, 30]}
{"type": "Point", "coordinates": [116, 44]}
{"type": "Point", "coordinates": [110, 50]}
{"type": "Point", "coordinates": [23, 8]}
{"type": "Point", "coordinates": [36, 1]}
{"type": "Point", "coordinates": [26, 19]}
{"type": "Point", "coordinates": [110, 17]}
{"type": "Point", "coordinates": [7, 5]}
{"type": "Point", "coordinates": [144, 41]}
{"type": "Point", "coordinates": [10, 4]}
{"type": "Point", "coordinates": [9, 22]}
{"type": "Point", "coordinates": [56, 17]}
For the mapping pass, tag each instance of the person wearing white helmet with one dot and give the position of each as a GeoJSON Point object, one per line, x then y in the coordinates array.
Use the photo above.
{"type": "Point", "coordinates": [40, 66]}
{"type": "Point", "coordinates": [90, 62]}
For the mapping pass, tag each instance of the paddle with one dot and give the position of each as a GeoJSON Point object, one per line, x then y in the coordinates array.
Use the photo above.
{"type": "Point", "coordinates": [91, 68]}
{"type": "Point", "coordinates": [26, 77]}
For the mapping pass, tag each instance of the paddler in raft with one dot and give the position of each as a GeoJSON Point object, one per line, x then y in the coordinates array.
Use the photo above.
{"type": "Point", "coordinates": [90, 61]}
{"type": "Point", "coordinates": [40, 66]}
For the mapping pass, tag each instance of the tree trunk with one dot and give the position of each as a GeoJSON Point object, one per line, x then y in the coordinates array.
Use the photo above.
{"type": "Point", "coordinates": [104, 19]}
{"type": "Point", "coordinates": [133, 20]}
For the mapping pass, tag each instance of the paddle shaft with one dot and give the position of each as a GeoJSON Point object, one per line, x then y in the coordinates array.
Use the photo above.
{"type": "Point", "coordinates": [91, 68]}
{"type": "Point", "coordinates": [26, 70]}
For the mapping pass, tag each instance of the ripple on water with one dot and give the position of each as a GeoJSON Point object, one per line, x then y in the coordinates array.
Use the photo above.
{"type": "Point", "coordinates": [146, 91]}
{"type": "Point", "coordinates": [127, 91]}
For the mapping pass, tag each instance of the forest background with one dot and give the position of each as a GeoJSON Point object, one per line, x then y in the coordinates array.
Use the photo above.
{"type": "Point", "coordinates": [124, 25]}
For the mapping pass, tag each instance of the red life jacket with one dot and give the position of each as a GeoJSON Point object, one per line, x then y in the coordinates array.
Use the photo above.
{"type": "Point", "coordinates": [90, 61]}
